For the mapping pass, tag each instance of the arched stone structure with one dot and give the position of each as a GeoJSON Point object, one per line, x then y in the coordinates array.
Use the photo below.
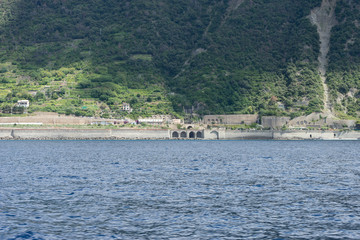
{"type": "Point", "coordinates": [183, 134]}
{"type": "Point", "coordinates": [214, 135]}
{"type": "Point", "coordinates": [191, 135]}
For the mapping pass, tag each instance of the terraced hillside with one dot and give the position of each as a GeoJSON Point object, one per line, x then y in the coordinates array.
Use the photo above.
{"type": "Point", "coordinates": [232, 56]}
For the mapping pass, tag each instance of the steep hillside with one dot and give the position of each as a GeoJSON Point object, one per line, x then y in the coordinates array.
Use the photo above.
{"type": "Point", "coordinates": [231, 56]}
{"type": "Point", "coordinates": [344, 59]}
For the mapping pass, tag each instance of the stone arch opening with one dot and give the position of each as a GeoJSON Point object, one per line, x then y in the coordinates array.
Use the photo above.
{"type": "Point", "coordinates": [189, 127]}
{"type": "Point", "coordinates": [192, 135]}
{"type": "Point", "coordinates": [199, 135]}
{"type": "Point", "coordinates": [214, 135]}
{"type": "Point", "coordinates": [183, 134]}
{"type": "Point", "coordinates": [175, 134]}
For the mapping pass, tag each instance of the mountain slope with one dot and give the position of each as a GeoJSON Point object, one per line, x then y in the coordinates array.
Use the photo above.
{"type": "Point", "coordinates": [235, 56]}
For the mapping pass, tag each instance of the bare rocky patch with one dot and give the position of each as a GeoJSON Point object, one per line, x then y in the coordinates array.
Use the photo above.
{"type": "Point", "coordinates": [324, 18]}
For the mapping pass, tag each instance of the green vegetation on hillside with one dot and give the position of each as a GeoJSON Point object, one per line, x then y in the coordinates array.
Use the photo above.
{"type": "Point", "coordinates": [344, 64]}
{"type": "Point", "coordinates": [88, 57]}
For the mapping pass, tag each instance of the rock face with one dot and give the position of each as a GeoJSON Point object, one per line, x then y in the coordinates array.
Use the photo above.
{"type": "Point", "coordinates": [324, 18]}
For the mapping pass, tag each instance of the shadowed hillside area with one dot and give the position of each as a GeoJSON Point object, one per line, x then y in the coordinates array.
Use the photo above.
{"type": "Point", "coordinates": [88, 57]}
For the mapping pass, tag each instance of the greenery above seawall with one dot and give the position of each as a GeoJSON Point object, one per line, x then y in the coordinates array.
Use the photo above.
{"type": "Point", "coordinates": [86, 58]}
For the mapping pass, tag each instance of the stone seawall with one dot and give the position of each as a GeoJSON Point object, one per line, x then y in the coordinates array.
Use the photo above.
{"type": "Point", "coordinates": [140, 133]}
{"type": "Point", "coordinates": [221, 134]}
{"type": "Point", "coordinates": [306, 135]}
{"type": "Point", "coordinates": [5, 133]}
{"type": "Point", "coordinates": [241, 134]}
{"type": "Point", "coordinates": [83, 134]}
{"type": "Point", "coordinates": [291, 135]}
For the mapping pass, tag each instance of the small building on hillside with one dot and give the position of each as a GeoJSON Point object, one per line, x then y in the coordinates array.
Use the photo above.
{"type": "Point", "coordinates": [176, 121]}
{"type": "Point", "coordinates": [151, 121]}
{"type": "Point", "coordinates": [231, 119]}
{"type": "Point", "coordinates": [103, 123]}
{"type": "Point", "coordinates": [126, 107]}
{"type": "Point", "coordinates": [281, 105]}
{"type": "Point", "coordinates": [156, 120]}
{"type": "Point", "coordinates": [23, 103]}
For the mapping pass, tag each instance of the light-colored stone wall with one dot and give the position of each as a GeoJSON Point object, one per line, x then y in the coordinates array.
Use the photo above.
{"type": "Point", "coordinates": [52, 119]}
{"type": "Point", "coordinates": [292, 135]}
{"type": "Point", "coordinates": [208, 134]}
{"type": "Point", "coordinates": [5, 133]}
{"type": "Point", "coordinates": [83, 133]}
{"type": "Point", "coordinates": [213, 134]}
{"type": "Point", "coordinates": [274, 122]}
{"type": "Point", "coordinates": [251, 134]}
{"type": "Point", "coordinates": [231, 119]}
{"type": "Point", "coordinates": [60, 133]}
{"type": "Point", "coordinates": [140, 133]}
{"type": "Point", "coordinates": [350, 135]}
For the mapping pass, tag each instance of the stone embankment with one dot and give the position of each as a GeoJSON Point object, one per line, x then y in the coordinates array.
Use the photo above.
{"type": "Point", "coordinates": [82, 134]}
{"type": "Point", "coordinates": [294, 135]}
{"type": "Point", "coordinates": [49, 118]}
{"type": "Point", "coordinates": [162, 134]}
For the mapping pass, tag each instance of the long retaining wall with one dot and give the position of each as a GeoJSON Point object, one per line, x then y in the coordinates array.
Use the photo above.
{"type": "Point", "coordinates": [222, 134]}
{"type": "Point", "coordinates": [241, 134]}
{"type": "Point", "coordinates": [291, 135]}
{"type": "Point", "coordinates": [5, 133]}
{"type": "Point", "coordinates": [140, 133]}
{"type": "Point", "coordinates": [83, 134]}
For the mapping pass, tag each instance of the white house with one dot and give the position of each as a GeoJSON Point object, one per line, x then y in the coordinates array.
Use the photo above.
{"type": "Point", "coordinates": [177, 121]}
{"type": "Point", "coordinates": [126, 107]}
{"type": "Point", "coordinates": [23, 103]}
{"type": "Point", "coordinates": [151, 121]}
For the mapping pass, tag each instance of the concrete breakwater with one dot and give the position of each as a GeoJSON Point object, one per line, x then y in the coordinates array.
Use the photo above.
{"type": "Point", "coordinates": [221, 134]}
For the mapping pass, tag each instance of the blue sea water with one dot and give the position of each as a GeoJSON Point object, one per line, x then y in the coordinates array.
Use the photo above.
{"type": "Point", "coordinates": [179, 189]}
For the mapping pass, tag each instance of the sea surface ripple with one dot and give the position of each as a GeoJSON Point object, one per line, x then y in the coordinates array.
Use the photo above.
{"type": "Point", "coordinates": [180, 190]}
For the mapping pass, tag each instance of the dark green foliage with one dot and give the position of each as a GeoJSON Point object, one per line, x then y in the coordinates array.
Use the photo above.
{"type": "Point", "coordinates": [18, 110]}
{"type": "Point", "coordinates": [344, 58]}
{"type": "Point", "coordinates": [210, 55]}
